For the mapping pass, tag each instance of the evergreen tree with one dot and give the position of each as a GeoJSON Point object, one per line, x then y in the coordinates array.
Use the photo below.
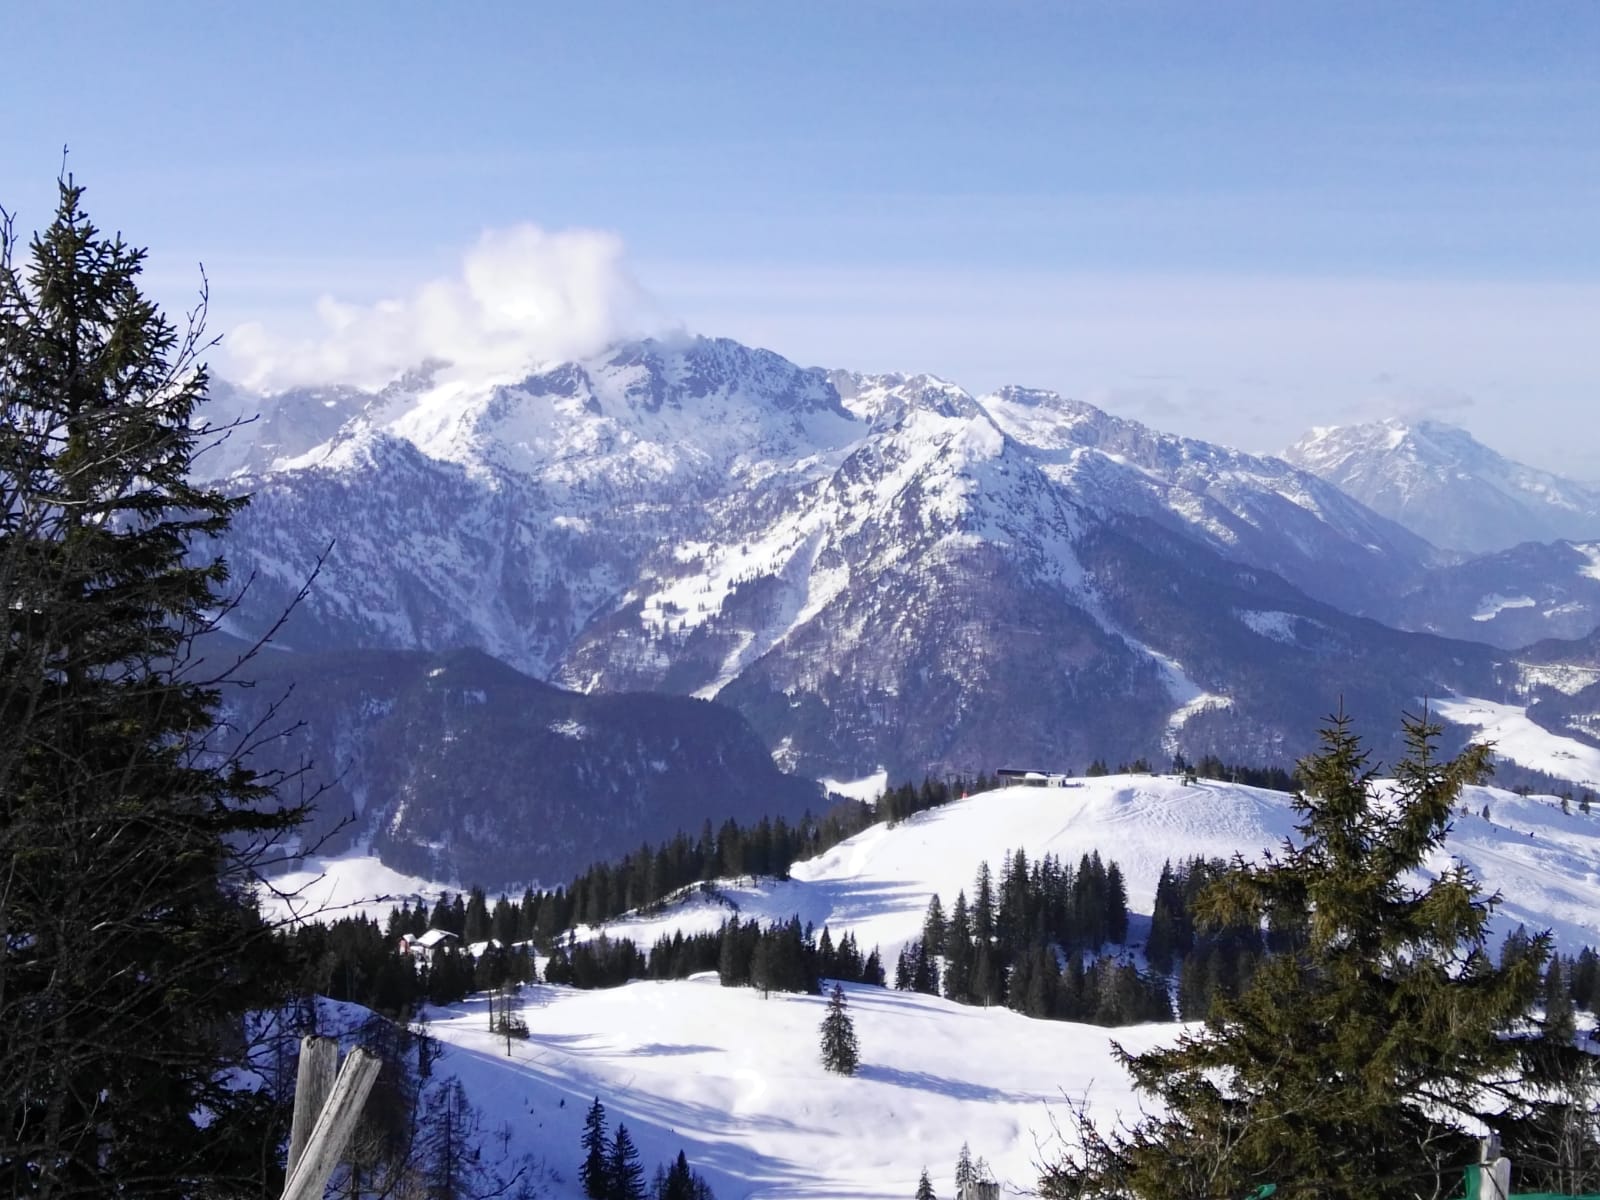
{"type": "Point", "coordinates": [1560, 1019]}
{"type": "Point", "coordinates": [1586, 979]}
{"type": "Point", "coordinates": [680, 1183]}
{"type": "Point", "coordinates": [1116, 922]}
{"type": "Point", "coordinates": [958, 953]}
{"type": "Point", "coordinates": [840, 1054]}
{"type": "Point", "coordinates": [925, 1187]}
{"type": "Point", "coordinates": [131, 950]}
{"type": "Point", "coordinates": [925, 972]}
{"type": "Point", "coordinates": [933, 927]}
{"type": "Point", "coordinates": [903, 970]}
{"type": "Point", "coordinates": [594, 1173]}
{"type": "Point", "coordinates": [983, 904]}
{"type": "Point", "coordinates": [966, 1173]}
{"type": "Point", "coordinates": [674, 1183]}
{"type": "Point", "coordinates": [1165, 916]}
{"type": "Point", "coordinates": [624, 1173]}
{"type": "Point", "coordinates": [1376, 1035]}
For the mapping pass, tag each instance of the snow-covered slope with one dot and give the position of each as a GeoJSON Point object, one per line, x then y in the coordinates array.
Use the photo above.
{"type": "Point", "coordinates": [878, 883]}
{"type": "Point", "coordinates": [734, 1080]}
{"type": "Point", "coordinates": [1444, 485]}
{"type": "Point", "coordinates": [1251, 508]}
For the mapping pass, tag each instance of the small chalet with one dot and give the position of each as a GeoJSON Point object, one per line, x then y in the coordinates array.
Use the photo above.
{"type": "Point", "coordinates": [478, 949]}
{"type": "Point", "coordinates": [424, 945]}
{"type": "Point", "coordinates": [1014, 777]}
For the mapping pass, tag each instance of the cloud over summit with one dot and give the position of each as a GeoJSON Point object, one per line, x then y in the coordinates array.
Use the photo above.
{"type": "Point", "coordinates": [522, 295]}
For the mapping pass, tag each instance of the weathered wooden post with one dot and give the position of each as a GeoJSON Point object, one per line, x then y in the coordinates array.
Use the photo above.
{"type": "Point", "coordinates": [1494, 1175]}
{"type": "Point", "coordinates": [319, 1063]}
{"type": "Point", "coordinates": [335, 1122]}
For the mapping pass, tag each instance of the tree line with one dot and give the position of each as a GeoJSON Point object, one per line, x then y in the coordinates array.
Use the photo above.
{"type": "Point", "coordinates": [647, 877]}
{"type": "Point", "coordinates": [352, 959]}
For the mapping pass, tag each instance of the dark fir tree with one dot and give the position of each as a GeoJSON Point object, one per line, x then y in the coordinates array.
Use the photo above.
{"type": "Point", "coordinates": [130, 947]}
{"type": "Point", "coordinates": [624, 1173]}
{"type": "Point", "coordinates": [1353, 1066]}
{"type": "Point", "coordinates": [933, 927]}
{"type": "Point", "coordinates": [925, 1187]}
{"type": "Point", "coordinates": [449, 1146]}
{"type": "Point", "coordinates": [679, 1182]}
{"type": "Point", "coordinates": [840, 1054]}
{"type": "Point", "coordinates": [594, 1174]}
{"type": "Point", "coordinates": [958, 953]}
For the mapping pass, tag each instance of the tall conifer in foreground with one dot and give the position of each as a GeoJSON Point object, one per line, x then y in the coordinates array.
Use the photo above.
{"type": "Point", "coordinates": [131, 951]}
{"type": "Point", "coordinates": [1357, 1063]}
{"type": "Point", "coordinates": [594, 1174]}
{"type": "Point", "coordinates": [625, 1173]}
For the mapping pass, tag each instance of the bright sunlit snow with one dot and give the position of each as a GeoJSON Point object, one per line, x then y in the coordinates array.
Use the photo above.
{"type": "Point", "coordinates": [348, 885]}
{"type": "Point", "coordinates": [1517, 738]}
{"type": "Point", "coordinates": [734, 1080]}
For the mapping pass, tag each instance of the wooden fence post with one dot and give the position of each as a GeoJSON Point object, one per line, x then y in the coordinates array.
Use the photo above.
{"type": "Point", "coordinates": [335, 1123]}
{"type": "Point", "coordinates": [319, 1062]}
{"type": "Point", "coordinates": [1494, 1176]}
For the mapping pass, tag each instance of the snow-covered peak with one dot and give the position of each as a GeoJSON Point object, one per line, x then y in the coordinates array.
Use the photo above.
{"type": "Point", "coordinates": [642, 411]}
{"type": "Point", "coordinates": [884, 400]}
{"type": "Point", "coordinates": [1232, 498]}
{"type": "Point", "coordinates": [1445, 485]}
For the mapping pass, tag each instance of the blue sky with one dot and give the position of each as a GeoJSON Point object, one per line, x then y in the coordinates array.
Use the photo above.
{"type": "Point", "coordinates": [1234, 220]}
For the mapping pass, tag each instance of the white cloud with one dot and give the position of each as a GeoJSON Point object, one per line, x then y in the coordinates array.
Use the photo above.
{"type": "Point", "coordinates": [522, 295]}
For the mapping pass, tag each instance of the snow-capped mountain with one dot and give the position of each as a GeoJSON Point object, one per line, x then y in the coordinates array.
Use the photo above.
{"type": "Point", "coordinates": [1444, 485]}
{"type": "Point", "coordinates": [876, 570]}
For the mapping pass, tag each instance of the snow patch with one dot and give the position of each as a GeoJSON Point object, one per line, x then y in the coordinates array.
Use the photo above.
{"type": "Point", "coordinates": [1569, 680]}
{"type": "Point", "coordinates": [1591, 552]}
{"type": "Point", "coordinates": [1494, 604]}
{"type": "Point", "coordinates": [1277, 626]}
{"type": "Point", "coordinates": [1516, 737]}
{"type": "Point", "coordinates": [1191, 698]}
{"type": "Point", "coordinates": [867, 789]}
{"type": "Point", "coordinates": [349, 885]}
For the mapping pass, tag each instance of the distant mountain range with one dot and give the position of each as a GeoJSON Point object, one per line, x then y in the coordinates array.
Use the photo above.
{"type": "Point", "coordinates": [1444, 485]}
{"type": "Point", "coordinates": [873, 570]}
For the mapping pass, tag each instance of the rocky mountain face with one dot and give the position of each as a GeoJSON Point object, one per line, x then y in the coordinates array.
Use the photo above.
{"type": "Point", "coordinates": [875, 570]}
{"type": "Point", "coordinates": [1444, 485]}
{"type": "Point", "coordinates": [453, 765]}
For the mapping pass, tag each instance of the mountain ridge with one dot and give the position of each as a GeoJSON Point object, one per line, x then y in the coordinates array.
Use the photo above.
{"type": "Point", "coordinates": [1441, 482]}
{"type": "Point", "coordinates": [878, 571]}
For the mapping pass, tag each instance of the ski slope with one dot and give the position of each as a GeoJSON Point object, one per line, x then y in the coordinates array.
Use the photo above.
{"type": "Point", "coordinates": [877, 884]}
{"type": "Point", "coordinates": [734, 1079]}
